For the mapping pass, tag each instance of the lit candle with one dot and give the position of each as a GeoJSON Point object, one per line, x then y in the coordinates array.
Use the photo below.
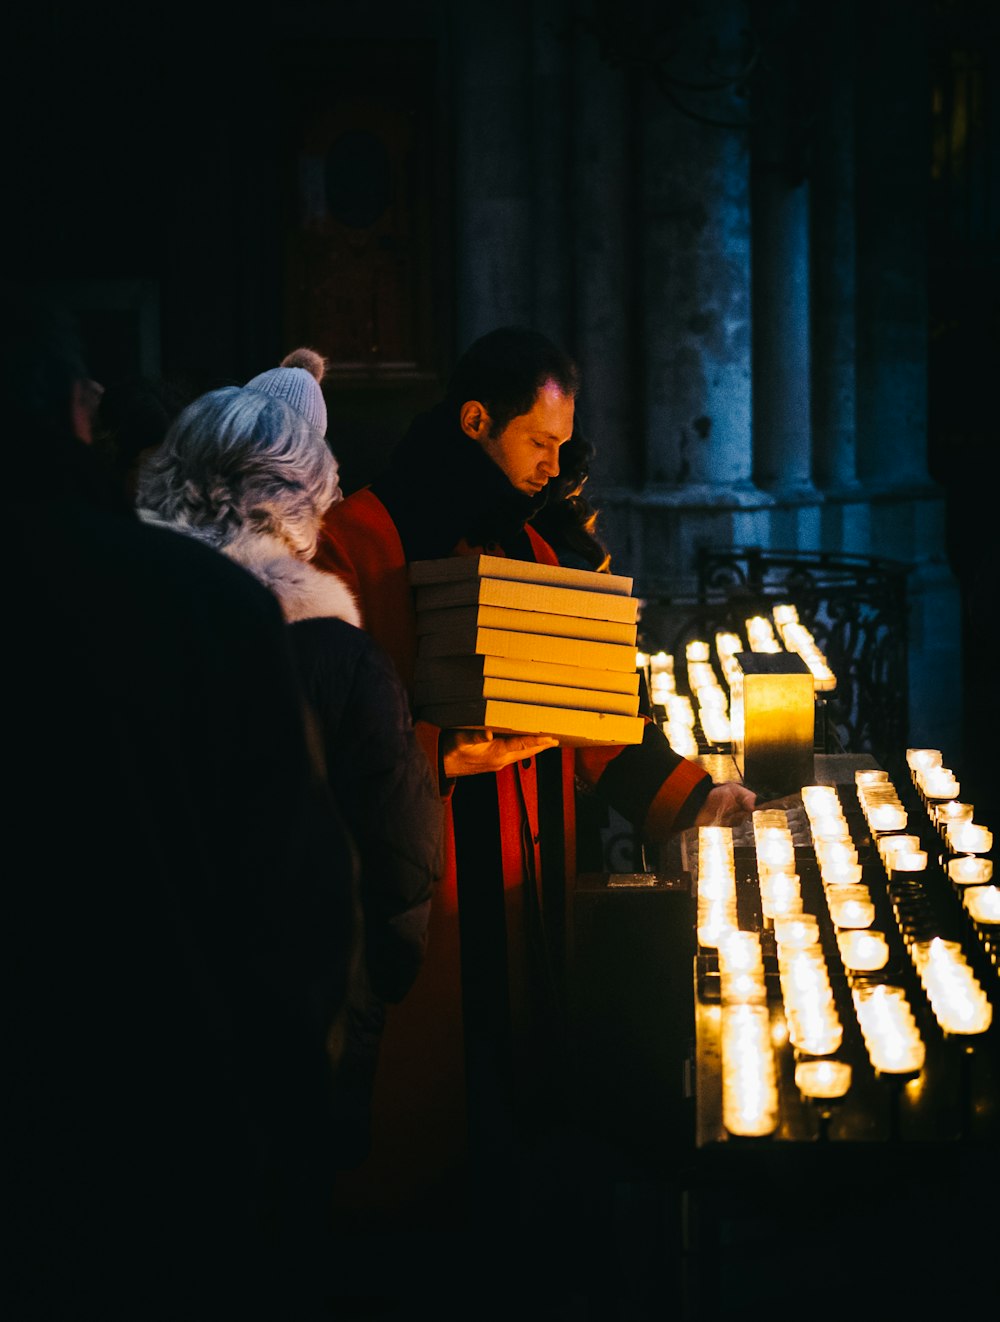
{"type": "Point", "coordinates": [968, 838]}
{"type": "Point", "coordinates": [917, 759]}
{"type": "Point", "coordinates": [863, 951]}
{"type": "Point", "coordinates": [852, 913]}
{"type": "Point", "coordinates": [891, 847]}
{"type": "Point", "coordinates": [824, 1079]}
{"type": "Point", "coordinates": [871, 776]}
{"type": "Point", "coordinates": [801, 930]}
{"type": "Point", "coordinates": [970, 871]}
{"type": "Point", "coordinates": [952, 811]}
{"type": "Point", "coordinates": [938, 783]}
{"type": "Point", "coordinates": [983, 903]}
{"type": "Point", "coordinates": [887, 817]}
{"type": "Point", "coordinates": [908, 860]}
{"type": "Point", "coordinates": [841, 874]}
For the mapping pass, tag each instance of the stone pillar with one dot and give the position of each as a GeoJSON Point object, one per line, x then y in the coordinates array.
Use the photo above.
{"type": "Point", "coordinates": [845, 515]}
{"type": "Point", "coordinates": [603, 217]}
{"type": "Point", "coordinates": [782, 424]}
{"type": "Point", "coordinates": [494, 220]}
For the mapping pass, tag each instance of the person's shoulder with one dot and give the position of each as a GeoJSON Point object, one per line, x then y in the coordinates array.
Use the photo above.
{"type": "Point", "coordinates": [170, 566]}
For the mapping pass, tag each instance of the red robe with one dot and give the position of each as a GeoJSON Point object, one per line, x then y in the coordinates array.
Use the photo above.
{"type": "Point", "coordinates": [419, 1133]}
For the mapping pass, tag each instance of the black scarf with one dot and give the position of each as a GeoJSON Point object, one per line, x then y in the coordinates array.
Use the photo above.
{"type": "Point", "coordinates": [442, 487]}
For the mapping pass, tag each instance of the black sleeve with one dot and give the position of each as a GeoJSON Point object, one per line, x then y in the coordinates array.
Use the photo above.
{"type": "Point", "coordinates": [384, 786]}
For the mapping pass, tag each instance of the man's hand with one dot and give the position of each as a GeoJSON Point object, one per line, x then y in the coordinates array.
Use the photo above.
{"type": "Point", "coordinates": [469, 752]}
{"type": "Point", "coordinates": [726, 804]}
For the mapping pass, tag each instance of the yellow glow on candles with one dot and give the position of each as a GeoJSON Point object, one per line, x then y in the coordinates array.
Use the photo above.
{"type": "Point", "coordinates": [680, 710]}
{"type": "Point", "coordinates": [983, 903]}
{"type": "Point", "coordinates": [696, 650]}
{"type": "Point", "coordinates": [740, 951]}
{"type": "Point", "coordinates": [887, 817]}
{"type": "Point", "coordinates": [968, 838]}
{"type": "Point", "coordinates": [959, 1003]}
{"type": "Point", "coordinates": [680, 739]}
{"type": "Point", "coordinates": [776, 850]}
{"type": "Point", "coordinates": [660, 688]}
{"type": "Point", "coordinates": [826, 826]}
{"type": "Point", "coordinates": [780, 894]}
{"type": "Point", "coordinates": [785, 613]}
{"type": "Point", "coordinates": [952, 811]}
{"type": "Point", "coordinates": [890, 847]}
{"type": "Point", "coordinates": [836, 852]}
{"type": "Point", "coordinates": [820, 795]}
{"type": "Point", "coordinates": [918, 759]}
{"type": "Point", "coordinates": [714, 921]}
{"type": "Point", "coordinates": [889, 1029]}
{"type": "Point", "coordinates": [749, 1076]}
{"type": "Point", "coordinates": [823, 1079]}
{"type": "Point", "coordinates": [841, 874]}
{"type": "Point", "coordinates": [641, 660]}
{"type": "Point", "coordinates": [661, 663]}
{"type": "Point", "coordinates": [970, 871]}
{"type": "Point", "coordinates": [863, 951]}
{"type": "Point", "coordinates": [907, 860]}
{"type": "Point", "coordinates": [852, 913]}
{"type": "Point", "coordinates": [742, 988]}
{"type": "Point", "coordinates": [801, 930]}
{"type": "Point", "coordinates": [938, 783]}
{"type": "Point", "coordinates": [871, 776]}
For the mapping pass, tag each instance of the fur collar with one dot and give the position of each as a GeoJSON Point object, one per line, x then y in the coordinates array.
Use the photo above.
{"type": "Point", "coordinates": [304, 592]}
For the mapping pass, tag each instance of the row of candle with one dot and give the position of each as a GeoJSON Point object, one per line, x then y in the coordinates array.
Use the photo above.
{"type": "Point", "coordinates": [966, 844]}
{"type": "Point", "coordinates": [956, 996]}
{"type": "Point", "coordinates": [888, 1026]}
{"type": "Point", "coordinates": [955, 821]}
{"type": "Point", "coordinates": [797, 638]}
{"type": "Point", "coordinates": [813, 1022]}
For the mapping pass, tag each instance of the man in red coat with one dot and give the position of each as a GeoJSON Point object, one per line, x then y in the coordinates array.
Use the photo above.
{"type": "Point", "coordinates": [466, 479]}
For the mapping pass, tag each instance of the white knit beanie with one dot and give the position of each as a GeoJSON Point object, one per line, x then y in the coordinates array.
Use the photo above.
{"type": "Point", "coordinates": [296, 381]}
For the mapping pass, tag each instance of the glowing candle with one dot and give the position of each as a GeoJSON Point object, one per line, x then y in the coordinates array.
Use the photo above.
{"type": "Point", "coordinates": [871, 776]}
{"type": "Point", "coordinates": [891, 847]}
{"type": "Point", "coordinates": [938, 783]}
{"type": "Point", "coordinates": [823, 1079]}
{"type": "Point", "coordinates": [970, 871]}
{"type": "Point", "coordinates": [863, 951]}
{"type": "Point", "coordinates": [968, 838]}
{"type": "Point", "coordinates": [907, 860]}
{"type": "Point", "coordinates": [841, 874]}
{"type": "Point", "coordinates": [852, 913]}
{"type": "Point", "coordinates": [983, 903]}
{"type": "Point", "coordinates": [801, 930]}
{"type": "Point", "coordinates": [887, 817]}
{"type": "Point", "coordinates": [952, 811]}
{"type": "Point", "coordinates": [835, 853]}
{"type": "Point", "coordinates": [918, 759]}
{"type": "Point", "coordinates": [660, 662]}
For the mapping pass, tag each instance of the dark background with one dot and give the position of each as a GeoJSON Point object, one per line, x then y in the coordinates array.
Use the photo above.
{"type": "Point", "coordinates": [155, 174]}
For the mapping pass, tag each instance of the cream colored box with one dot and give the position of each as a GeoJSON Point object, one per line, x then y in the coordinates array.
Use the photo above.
{"type": "Point", "coordinates": [773, 719]}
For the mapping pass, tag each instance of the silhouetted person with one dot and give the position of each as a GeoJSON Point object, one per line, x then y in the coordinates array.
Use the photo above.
{"type": "Point", "coordinates": [181, 911]}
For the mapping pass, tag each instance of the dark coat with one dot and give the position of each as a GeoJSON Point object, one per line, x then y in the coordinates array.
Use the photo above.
{"type": "Point", "coordinates": [384, 788]}
{"type": "Point", "coordinates": [180, 922]}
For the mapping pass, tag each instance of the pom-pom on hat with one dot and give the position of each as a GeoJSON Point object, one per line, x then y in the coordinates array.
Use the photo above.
{"type": "Point", "coordinates": [296, 381]}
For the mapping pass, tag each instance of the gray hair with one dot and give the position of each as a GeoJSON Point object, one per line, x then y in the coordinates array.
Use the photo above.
{"type": "Point", "coordinates": [237, 459]}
